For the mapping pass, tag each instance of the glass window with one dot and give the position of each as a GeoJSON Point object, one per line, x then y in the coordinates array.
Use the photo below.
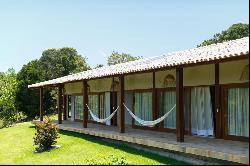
{"type": "Point", "coordinates": [79, 107]}
{"type": "Point", "coordinates": [201, 110]}
{"type": "Point", "coordinates": [69, 106]}
{"type": "Point", "coordinates": [102, 108]}
{"type": "Point", "coordinates": [97, 105]}
{"type": "Point", "coordinates": [93, 103]}
{"type": "Point", "coordinates": [238, 112]}
{"type": "Point", "coordinates": [166, 101]}
{"type": "Point", "coordinates": [186, 108]}
{"type": "Point", "coordinates": [143, 106]}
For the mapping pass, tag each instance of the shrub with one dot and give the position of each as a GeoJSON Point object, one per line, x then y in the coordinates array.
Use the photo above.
{"type": "Point", "coordinates": [21, 117]}
{"type": "Point", "coordinates": [117, 161]}
{"type": "Point", "coordinates": [7, 117]}
{"type": "Point", "coordinates": [46, 135]}
{"type": "Point", "coordinates": [110, 160]}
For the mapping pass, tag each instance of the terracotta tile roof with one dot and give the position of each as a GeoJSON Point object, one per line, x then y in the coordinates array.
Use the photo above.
{"type": "Point", "coordinates": [223, 50]}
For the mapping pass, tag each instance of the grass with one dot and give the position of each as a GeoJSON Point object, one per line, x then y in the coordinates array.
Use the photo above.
{"type": "Point", "coordinates": [16, 147]}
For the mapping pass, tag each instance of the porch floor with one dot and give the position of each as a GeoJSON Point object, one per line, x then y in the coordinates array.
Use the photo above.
{"type": "Point", "coordinates": [233, 151]}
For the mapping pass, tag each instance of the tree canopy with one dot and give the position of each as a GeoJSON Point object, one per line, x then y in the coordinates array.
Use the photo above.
{"type": "Point", "coordinates": [236, 31]}
{"type": "Point", "coordinates": [53, 63]}
{"type": "Point", "coordinates": [61, 62]}
{"type": "Point", "coordinates": [27, 100]}
{"type": "Point", "coordinates": [8, 85]}
{"type": "Point", "coordinates": [116, 58]}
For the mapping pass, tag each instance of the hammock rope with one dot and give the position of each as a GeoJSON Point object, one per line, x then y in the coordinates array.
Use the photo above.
{"type": "Point", "coordinates": [95, 118]}
{"type": "Point", "coordinates": [148, 123]}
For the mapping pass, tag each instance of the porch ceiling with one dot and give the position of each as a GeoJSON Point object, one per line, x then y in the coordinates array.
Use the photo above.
{"type": "Point", "coordinates": [225, 50]}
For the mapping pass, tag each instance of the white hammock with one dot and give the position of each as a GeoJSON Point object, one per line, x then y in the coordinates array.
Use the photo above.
{"type": "Point", "coordinates": [148, 123]}
{"type": "Point", "coordinates": [95, 118]}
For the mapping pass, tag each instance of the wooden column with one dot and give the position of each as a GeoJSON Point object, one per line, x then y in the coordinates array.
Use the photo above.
{"type": "Point", "coordinates": [60, 100]}
{"type": "Point", "coordinates": [218, 133]}
{"type": "Point", "coordinates": [113, 96]}
{"type": "Point", "coordinates": [121, 101]}
{"type": "Point", "coordinates": [41, 104]}
{"type": "Point", "coordinates": [179, 105]}
{"type": "Point", "coordinates": [154, 99]}
{"type": "Point", "coordinates": [64, 106]}
{"type": "Point", "coordinates": [85, 101]}
{"type": "Point", "coordinates": [113, 103]}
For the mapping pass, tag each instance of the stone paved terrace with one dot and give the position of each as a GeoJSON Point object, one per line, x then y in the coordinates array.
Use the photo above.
{"type": "Point", "coordinates": [232, 151]}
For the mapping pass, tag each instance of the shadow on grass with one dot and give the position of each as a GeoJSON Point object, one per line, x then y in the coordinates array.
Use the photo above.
{"type": "Point", "coordinates": [32, 127]}
{"type": "Point", "coordinates": [123, 147]}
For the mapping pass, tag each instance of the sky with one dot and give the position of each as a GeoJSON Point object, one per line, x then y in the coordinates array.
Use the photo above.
{"type": "Point", "coordinates": [96, 28]}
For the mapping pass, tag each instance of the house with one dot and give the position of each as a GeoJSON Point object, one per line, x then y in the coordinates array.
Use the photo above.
{"type": "Point", "coordinates": [207, 87]}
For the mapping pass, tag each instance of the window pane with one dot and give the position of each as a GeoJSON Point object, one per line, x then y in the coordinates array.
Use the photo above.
{"type": "Point", "coordinates": [107, 106]}
{"type": "Point", "coordinates": [143, 106]}
{"type": "Point", "coordinates": [93, 103]}
{"type": "Point", "coordinates": [202, 115]}
{"type": "Point", "coordinates": [69, 106]}
{"type": "Point", "coordinates": [238, 112]}
{"type": "Point", "coordinates": [102, 109]}
{"type": "Point", "coordinates": [78, 107]}
{"type": "Point", "coordinates": [186, 109]}
{"type": "Point", "coordinates": [166, 102]}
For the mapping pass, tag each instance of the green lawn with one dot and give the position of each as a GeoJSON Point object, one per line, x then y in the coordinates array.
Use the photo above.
{"type": "Point", "coordinates": [16, 147]}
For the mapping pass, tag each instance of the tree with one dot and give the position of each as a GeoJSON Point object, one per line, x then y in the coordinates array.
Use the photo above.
{"type": "Point", "coordinates": [8, 85]}
{"type": "Point", "coordinates": [116, 58]}
{"type": "Point", "coordinates": [53, 63]}
{"type": "Point", "coordinates": [236, 31]}
{"type": "Point", "coordinates": [61, 62]}
{"type": "Point", "coordinates": [27, 100]}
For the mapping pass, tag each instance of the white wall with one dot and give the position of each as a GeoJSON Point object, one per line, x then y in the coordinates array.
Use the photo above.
{"type": "Point", "coordinates": [100, 85]}
{"type": "Point", "coordinates": [230, 72]}
{"type": "Point", "coordinates": [71, 88]}
{"type": "Point", "coordinates": [138, 81]}
{"type": "Point", "coordinates": [160, 77]}
{"type": "Point", "coordinates": [192, 76]}
{"type": "Point", "coordinates": [199, 75]}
